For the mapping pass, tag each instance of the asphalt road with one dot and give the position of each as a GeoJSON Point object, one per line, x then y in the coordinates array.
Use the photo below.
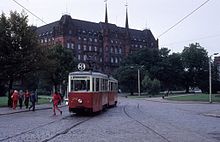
{"type": "Point", "coordinates": [133, 120]}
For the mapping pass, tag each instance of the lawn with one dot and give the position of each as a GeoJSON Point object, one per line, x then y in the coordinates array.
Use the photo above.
{"type": "Point", "coordinates": [196, 97]}
{"type": "Point", "coordinates": [41, 100]}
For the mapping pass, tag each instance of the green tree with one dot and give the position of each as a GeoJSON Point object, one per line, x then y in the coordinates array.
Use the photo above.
{"type": "Point", "coordinates": [169, 69]}
{"type": "Point", "coordinates": [127, 78]}
{"type": "Point", "coordinates": [151, 86]}
{"type": "Point", "coordinates": [18, 48]}
{"type": "Point", "coordinates": [62, 62]}
{"type": "Point", "coordinates": [195, 62]}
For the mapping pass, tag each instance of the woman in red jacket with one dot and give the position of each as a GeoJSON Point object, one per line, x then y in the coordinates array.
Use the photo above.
{"type": "Point", "coordinates": [14, 98]}
{"type": "Point", "coordinates": [56, 99]}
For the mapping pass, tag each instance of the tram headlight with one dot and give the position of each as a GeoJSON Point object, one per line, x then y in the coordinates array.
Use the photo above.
{"type": "Point", "coordinates": [80, 101]}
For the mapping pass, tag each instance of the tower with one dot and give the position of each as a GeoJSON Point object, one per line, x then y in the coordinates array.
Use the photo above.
{"type": "Point", "coordinates": [127, 34]}
{"type": "Point", "coordinates": [106, 12]}
{"type": "Point", "coordinates": [126, 20]}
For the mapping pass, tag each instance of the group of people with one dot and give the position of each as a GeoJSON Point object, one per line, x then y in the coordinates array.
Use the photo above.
{"type": "Point", "coordinates": [27, 96]}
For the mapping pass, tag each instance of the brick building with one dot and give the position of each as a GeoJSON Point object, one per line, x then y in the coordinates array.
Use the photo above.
{"type": "Point", "coordinates": [101, 45]}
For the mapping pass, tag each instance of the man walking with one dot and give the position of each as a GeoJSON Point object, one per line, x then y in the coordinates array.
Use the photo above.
{"type": "Point", "coordinates": [33, 100]}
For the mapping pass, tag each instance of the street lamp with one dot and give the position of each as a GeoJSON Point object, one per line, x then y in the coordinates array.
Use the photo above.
{"type": "Point", "coordinates": [210, 77]}
{"type": "Point", "coordinates": [139, 79]}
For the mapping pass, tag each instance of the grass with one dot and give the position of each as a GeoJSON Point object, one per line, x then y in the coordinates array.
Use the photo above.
{"type": "Point", "coordinates": [195, 97]}
{"type": "Point", "coordinates": [3, 101]}
{"type": "Point", "coordinates": [41, 100]}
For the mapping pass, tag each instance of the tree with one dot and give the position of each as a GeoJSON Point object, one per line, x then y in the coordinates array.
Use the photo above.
{"type": "Point", "coordinates": [169, 69]}
{"type": "Point", "coordinates": [127, 78]}
{"type": "Point", "coordinates": [18, 48]}
{"type": "Point", "coordinates": [62, 62]}
{"type": "Point", "coordinates": [195, 62]}
{"type": "Point", "coordinates": [151, 86]}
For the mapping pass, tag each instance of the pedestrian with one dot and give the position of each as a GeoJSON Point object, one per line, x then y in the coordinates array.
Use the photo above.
{"type": "Point", "coordinates": [21, 98]}
{"type": "Point", "coordinates": [33, 100]}
{"type": "Point", "coordinates": [56, 99]}
{"type": "Point", "coordinates": [27, 98]}
{"type": "Point", "coordinates": [14, 98]}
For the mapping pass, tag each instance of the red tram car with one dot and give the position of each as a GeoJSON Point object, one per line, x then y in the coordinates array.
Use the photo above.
{"type": "Point", "coordinates": [91, 91]}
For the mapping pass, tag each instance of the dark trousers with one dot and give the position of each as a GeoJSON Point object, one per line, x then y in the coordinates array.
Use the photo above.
{"type": "Point", "coordinates": [26, 102]}
{"type": "Point", "coordinates": [32, 106]}
{"type": "Point", "coordinates": [20, 103]}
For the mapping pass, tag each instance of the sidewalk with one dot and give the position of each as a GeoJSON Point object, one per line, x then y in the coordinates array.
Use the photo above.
{"type": "Point", "coordinates": [215, 113]}
{"type": "Point", "coordinates": [7, 110]}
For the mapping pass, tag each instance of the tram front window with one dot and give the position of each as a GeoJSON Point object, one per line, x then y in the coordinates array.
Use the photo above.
{"type": "Point", "coordinates": [81, 85]}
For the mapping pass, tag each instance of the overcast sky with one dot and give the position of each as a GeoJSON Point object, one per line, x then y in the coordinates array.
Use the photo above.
{"type": "Point", "coordinates": [157, 15]}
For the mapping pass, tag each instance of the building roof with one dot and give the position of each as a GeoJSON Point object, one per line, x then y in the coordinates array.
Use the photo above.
{"type": "Point", "coordinates": [92, 26]}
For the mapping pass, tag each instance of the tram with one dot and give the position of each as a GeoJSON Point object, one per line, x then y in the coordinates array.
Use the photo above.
{"type": "Point", "coordinates": [91, 91]}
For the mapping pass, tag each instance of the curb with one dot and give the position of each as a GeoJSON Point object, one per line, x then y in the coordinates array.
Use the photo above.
{"type": "Point", "coordinates": [27, 110]}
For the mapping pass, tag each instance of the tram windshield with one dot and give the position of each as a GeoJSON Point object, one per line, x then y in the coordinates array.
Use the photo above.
{"type": "Point", "coordinates": [80, 85]}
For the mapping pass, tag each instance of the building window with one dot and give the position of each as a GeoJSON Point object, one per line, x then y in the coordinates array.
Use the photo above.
{"type": "Point", "coordinates": [141, 46]}
{"type": "Point", "coordinates": [95, 49]}
{"type": "Point", "coordinates": [72, 45]}
{"type": "Point", "coordinates": [90, 39]}
{"type": "Point", "coordinates": [90, 48]}
{"type": "Point", "coordinates": [84, 57]}
{"type": "Point", "coordinates": [111, 49]}
{"type": "Point", "coordinates": [45, 40]}
{"type": "Point", "coordinates": [68, 45]}
{"type": "Point", "coordinates": [101, 60]}
{"type": "Point", "coordinates": [112, 60]}
{"type": "Point", "coordinates": [116, 51]}
{"type": "Point", "coordinates": [79, 57]}
{"type": "Point", "coordinates": [79, 38]}
{"type": "Point", "coordinates": [79, 46]}
{"type": "Point", "coordinates": [84, 39]}
{"type": "Point", "coordinates": [42, 41]}
{"type": "Point", "coordinates": [119, 50]}
{"type": "Point", "coordinates": [95, 40]}
{"type": "Point", "coordinates": [116, 60]}
{"type": "Point", "coordinates": [84, 47]}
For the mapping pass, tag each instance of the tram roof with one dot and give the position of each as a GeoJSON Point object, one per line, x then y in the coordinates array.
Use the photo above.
{"type": "Point", "coordinates": [88, 73]}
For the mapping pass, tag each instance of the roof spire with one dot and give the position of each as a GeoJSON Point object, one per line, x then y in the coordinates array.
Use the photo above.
{"type": "Point", "coordinates": [126, 21]}
{"type": "Point", "coordinates": [106, 12]}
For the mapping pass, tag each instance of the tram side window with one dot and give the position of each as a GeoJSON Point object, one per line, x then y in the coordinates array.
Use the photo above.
{"type": "Point", "coordinates": [81, 85]}
{"type": "Point", "coordinates": [72, 85]}
{"type": "Point", "coordinates": [93, 84]}
{"type": "Point", "coordinates": [97, 84]}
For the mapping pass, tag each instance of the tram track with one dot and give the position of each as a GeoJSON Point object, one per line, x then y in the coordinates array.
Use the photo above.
{"type": "Point", "coordinates": [66, 130]}
{"type": "Point", "coordinates": [47, 124]}
{"type": "Point", "coordinates": [144, 125]}
{"type": "Point", "coordinates": [171, 124]}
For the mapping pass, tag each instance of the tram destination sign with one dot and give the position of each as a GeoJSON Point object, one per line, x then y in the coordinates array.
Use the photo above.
{"type": "Point", "coordinates": [81, 66]}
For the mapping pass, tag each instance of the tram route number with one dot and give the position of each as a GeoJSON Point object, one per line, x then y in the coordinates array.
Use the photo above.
{"type": "Point", "coordinates": [81, 66]}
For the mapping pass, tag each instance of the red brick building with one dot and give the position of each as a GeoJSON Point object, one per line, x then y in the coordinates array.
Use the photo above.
{"type": "Point", "coordinates": [103, 45]}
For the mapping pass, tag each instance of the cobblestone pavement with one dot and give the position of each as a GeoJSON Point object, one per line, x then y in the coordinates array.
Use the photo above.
{"type": "Point", "coordinates": [140, 120]}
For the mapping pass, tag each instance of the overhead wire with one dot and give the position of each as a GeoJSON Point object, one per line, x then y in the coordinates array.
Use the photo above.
{"type": "Point", "coordinates": [200, 38]}
{"type": "Point", "coordinates": [30, 12]}
{"type": "Point", "coordinates": [181, 20]}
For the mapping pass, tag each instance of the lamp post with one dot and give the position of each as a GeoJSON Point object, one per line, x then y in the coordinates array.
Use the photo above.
{"type": "Point", "coordinates": [139, 83]}
{"type": "Point", "coordinates": [210, 77]}
{"type": "Point", "coordinates": [139, 79]}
